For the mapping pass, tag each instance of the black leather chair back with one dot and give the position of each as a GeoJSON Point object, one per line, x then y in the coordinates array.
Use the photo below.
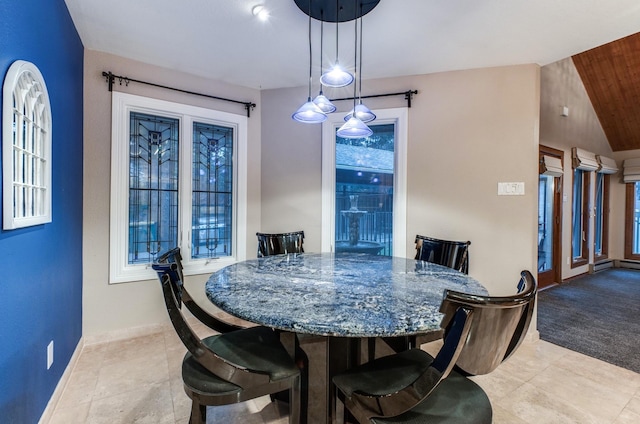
{"type": "Point", "coordinates": [280, 244]}
{"type": "Point", "coordinates": [452, 254]}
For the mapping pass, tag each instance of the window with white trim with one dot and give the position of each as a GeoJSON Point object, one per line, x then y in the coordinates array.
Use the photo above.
{"type": "Point", "coordinates": [383, 198]}
{"type": "Point", "coordinates": [26, 147]}
{"type": "Point", "coordinates": [178, 178]}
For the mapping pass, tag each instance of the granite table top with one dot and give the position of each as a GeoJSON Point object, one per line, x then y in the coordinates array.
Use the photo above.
{"type": "Point", "coordinates": [338, 294]}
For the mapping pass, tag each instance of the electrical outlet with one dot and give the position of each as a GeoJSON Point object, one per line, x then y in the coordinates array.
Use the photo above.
{"type": "Point", "coordinates": [50, 354]}
{"type": "Point", "coordinates": [568, 260]}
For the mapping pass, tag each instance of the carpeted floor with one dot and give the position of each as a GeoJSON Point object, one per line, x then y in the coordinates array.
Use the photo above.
{"type": "Point", "coordinates": [597, 315]}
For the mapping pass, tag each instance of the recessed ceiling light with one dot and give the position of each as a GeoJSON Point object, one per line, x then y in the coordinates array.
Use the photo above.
{"type": "Point", "coordinates": [260, 12]}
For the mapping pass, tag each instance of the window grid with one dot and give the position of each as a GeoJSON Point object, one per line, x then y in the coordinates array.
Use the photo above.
{"type": "Point", "coordinates": [212, 190]}
{"type": "Point", "coordinates": [153, 186]}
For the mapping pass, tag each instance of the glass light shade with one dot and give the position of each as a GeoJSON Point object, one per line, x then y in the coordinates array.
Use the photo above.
{"type": "Point", "coordinates": [363, 113]}
{"type": "Point", "coordinates": [324, 103]}
{"type": "Point", "coordinates": [309, 113]}
{"type": "Point", "coordinates": [336, 77]}
{"type": "Point", "coordinates": [354, 128]}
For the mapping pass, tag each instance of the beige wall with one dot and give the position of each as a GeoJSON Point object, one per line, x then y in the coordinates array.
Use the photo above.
{"type": "Point", "coordinates": [560, 85]}
{"type": "Point", "coordinates": [468, 130]}
{"type": "Point", "coordinates": [115, 307]}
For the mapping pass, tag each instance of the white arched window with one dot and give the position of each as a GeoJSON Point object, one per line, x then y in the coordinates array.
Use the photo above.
{"type": "Point", "coordinates": [26, 147]}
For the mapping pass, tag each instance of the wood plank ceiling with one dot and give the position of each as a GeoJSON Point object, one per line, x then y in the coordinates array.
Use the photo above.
{"type": "Point", "coordinates": [611, 76]}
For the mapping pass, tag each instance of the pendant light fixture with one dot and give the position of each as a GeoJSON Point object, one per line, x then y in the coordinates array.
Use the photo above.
{"type": "Point", "coordinates": [309, 113]}
{"type": "Point", "coordinates": [362, 112]}
{"type": "Point", "coordinates": [321, 100]}
{"type": "Point", "coordinates": [354, 127]}
{"type": "Point", "coordinates": [336, 76]}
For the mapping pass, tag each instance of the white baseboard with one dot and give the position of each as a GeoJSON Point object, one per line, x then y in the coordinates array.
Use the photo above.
{"type": "Point", "coordinates": [625, 263]}
{"type": "Point", "coordinates": [57, 393]}
{"type": "Point", "coordinates": [599, 266]}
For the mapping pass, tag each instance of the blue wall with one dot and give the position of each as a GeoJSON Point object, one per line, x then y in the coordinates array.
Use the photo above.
{"type": "Point", "coordinates": [41, 276]}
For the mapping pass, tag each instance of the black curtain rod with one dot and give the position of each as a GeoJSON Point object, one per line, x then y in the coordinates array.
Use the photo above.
{"type": "Point", "coordinates": [408, 95]}
{"type": "Point", "coordinates": [111, 79]}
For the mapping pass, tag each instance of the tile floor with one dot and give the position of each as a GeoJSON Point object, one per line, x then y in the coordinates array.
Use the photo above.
{"type": "Point", "coordinates": [138, 381]}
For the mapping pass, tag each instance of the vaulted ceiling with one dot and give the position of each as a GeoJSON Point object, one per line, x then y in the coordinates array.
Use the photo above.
{"type": "Point", "coordinates": [611, 76]}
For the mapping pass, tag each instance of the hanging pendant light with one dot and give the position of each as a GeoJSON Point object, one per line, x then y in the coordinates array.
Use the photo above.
{"type": "Point", "coordinates": [336, 76]}
{"type": "Point", "coordinates": [354, 127]}
{"type": "Point", "coordinates": [321, 100]}
{"type": "Point", "coordinates": [309, 113]}
{"type": "Point", "coordinates": [361, 111]}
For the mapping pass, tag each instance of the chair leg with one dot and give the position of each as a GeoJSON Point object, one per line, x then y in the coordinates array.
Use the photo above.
{"type": "Point", "coordinates": [302, 361]}
{"type": "Point", "coordinates": [294, 402]}
{"type": "Point", "coordinates": [198, 413]}
{"type": "Point", "coordinates": [371, 348]}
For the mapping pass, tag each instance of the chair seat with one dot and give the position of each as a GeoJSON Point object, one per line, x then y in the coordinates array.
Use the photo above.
{"type": "Point", "coordinates": [387, 374]}
{"type": "Point", "coordinates": [455, 400]}
{"type": "Point", "coordinates": [256, 348]}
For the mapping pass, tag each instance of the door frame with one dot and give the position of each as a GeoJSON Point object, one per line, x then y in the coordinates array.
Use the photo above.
{"type": "Point", "coordinates": [549, 278]}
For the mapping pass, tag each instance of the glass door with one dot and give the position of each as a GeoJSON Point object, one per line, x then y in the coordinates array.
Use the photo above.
{"type": "Point", "coordinates": [549, 220]}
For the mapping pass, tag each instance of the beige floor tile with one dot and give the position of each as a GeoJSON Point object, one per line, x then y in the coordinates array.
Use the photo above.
{"type": "Point", "coordinates": [501, 416]}
{"type": "Point", "coordinates": [139, 381]}
{"type": "Point", "coordinates": [498, 384]}
{"type": "Point", "coordinates": [91, 357]}
{"type": "Point", "coordinates": [135, 348]}
{"type": "Point", "coordinates": [627, 417]}
{"type": "Point", "coordinates": [605, 374]}
{"type": "Point", "coordinates": [580, 392]}
{"type": "Point", "coordinates": [80, 388]}
{"type": "Point", "coordinates": [131, 375]}
{"type": "Point", "coordinates": [532, 405]}
{"type": "Point", "coordinates": [150, 404]}
{"type": "Point", "coordinates": [181, 402]}
{"type": "Point", "coordinates": [634, 404]}
{"type": "Point", "coordinates": [257, 411]}
{"type": "Point", "coordinates": [532, 358]}
{"type": "Point", "coordinates": [71, 415]}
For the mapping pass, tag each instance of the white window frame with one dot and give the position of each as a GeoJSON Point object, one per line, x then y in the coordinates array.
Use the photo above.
{"type": "Point", "coordinates": [28, 191]}
{"type": "Point", "coordinates": [122, 105]}
{"type": "Point", "coordinates": [397, 116]}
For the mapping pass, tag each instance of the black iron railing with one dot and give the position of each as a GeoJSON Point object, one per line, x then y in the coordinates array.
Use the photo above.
{"type": "Point", "coordinates": [375, 225]}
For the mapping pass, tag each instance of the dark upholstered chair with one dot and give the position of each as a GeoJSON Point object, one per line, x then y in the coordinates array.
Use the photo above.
{"type": "Point", "coordinates": [173, 256]}
{"type": "Point", "coordinates": [280, 244]}
{"type": "Point", "coordinates": [231, 367]}
{"type": "Point", "coordinates": [480, 332]}
{"type": "Point", "coordinates": [452, 254]}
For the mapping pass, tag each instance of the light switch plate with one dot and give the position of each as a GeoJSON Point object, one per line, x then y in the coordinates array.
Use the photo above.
{"type": "Point", "coordinates": [510, 189]}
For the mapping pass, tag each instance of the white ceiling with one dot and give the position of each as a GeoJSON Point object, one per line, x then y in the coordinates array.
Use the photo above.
{"type": "Point", "coordinates": [221, 39]}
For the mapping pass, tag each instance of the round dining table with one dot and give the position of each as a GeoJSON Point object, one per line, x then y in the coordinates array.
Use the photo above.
{"type": "Point", "coordinates": [340, 298]}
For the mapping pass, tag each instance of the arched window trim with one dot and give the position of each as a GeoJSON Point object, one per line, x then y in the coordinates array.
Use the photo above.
{"type": "Point", "coordinates": [26, 147]}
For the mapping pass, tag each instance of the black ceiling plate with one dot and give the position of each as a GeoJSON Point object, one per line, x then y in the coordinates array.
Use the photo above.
{"type": "Point", "coordinates": [348, 10]}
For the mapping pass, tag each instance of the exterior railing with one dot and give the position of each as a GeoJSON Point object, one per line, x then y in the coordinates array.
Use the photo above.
{"type": "Point", "coordinates": [376, 225]}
